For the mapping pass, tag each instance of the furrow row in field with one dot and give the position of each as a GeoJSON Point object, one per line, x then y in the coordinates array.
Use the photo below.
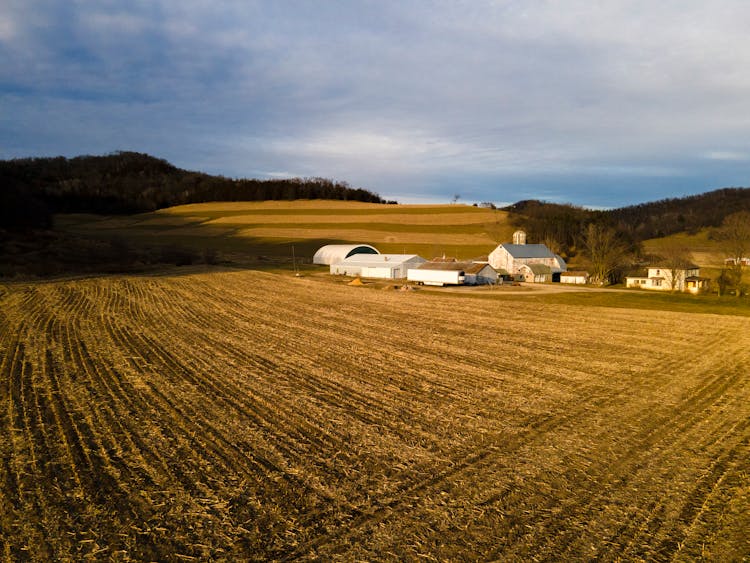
{"type": "Point", "coordinates": [218, 446]}
{"type": "Point", "coordinates": [656, 436]}
{"type": "Point", "coordinates": [663, 533]}
{"type": "Point", "coordinates": [531, 516]}
{"type": "Point", "coordinates": [175, 419]}
{"type": "Point", "coordinates": [10, 489]}
{"type": "Point", "coordinates": [29, 457]}
{"type": "Point", "coordinates": [546, 426]}
{"type": "Point", "coordinates": [246, 415]}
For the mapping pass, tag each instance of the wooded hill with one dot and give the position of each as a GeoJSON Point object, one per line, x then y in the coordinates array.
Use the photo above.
{"type": "Point", "coordinates": [129, 182]}
{"type": "Point", "coordinates": [562, 224]}
{"type": "Point", "coordinates": [32, 189]}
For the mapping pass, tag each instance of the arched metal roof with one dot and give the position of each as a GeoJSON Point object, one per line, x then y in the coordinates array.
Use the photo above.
{"type": "Point", "coordinates": [335, 253]}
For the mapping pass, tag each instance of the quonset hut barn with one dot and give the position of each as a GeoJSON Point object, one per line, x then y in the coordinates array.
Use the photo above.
{"type": "Point", "coordinates": [335, 253]}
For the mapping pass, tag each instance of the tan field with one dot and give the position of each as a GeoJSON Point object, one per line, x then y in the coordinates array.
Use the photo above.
{"type": "Point", "coordinates": [271, 227]}
{"type": "Point", "coordinates": [256, 416]}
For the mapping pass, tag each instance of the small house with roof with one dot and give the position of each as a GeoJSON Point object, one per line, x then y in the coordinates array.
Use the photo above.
{"type": "Point", "coordinates": [513, 257]}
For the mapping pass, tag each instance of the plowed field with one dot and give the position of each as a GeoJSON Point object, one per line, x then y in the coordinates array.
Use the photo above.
{"type": "Point", "coordinates": [246, 415]}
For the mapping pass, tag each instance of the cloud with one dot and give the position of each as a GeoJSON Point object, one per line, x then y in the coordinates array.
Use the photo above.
{"type": "Point", "coordinates": [535, 97]}
{"type": "Point", "coordinates": [727, 155]}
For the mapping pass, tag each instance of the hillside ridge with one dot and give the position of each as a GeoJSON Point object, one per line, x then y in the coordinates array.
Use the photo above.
{"type": "Point", "coordinates": [130, 182]}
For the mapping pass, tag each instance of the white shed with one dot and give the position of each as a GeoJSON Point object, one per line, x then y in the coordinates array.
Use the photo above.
{"type": "Point", "coordinates": [335, 253]}
{"type": "Point", "coordinates": [535, 273]}
{"type": "Point", "coordinates": [480, 273]}
{"type": "Point", "coordinates": [577, 277]}
{"type": "Point", "coordinates": [384, 266]}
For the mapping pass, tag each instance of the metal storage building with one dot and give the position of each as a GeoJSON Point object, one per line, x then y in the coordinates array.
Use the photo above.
{"type": "Point", "coordinates": [384, 266]}
{"type": "Point", "coordinates": [335, 253]}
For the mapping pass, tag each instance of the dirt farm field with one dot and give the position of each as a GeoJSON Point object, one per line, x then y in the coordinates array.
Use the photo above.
{"type": "Point", "coordinates": [242, 415]}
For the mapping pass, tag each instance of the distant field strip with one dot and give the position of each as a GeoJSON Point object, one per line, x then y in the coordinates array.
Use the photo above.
{"type": "Point", "coordinates": [268, 228]}
{"type": "Point", "coordinates": [372, 236]}
{"type": "Point", "coordinates": [246, 415]}
{"type": "Point", "coordinates": [452, 220]}
{"type": "Point", "coordinates": [321, 207]}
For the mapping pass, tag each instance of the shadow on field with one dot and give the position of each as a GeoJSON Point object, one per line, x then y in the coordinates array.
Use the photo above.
{"type": "Point", "coordinates": [91, 244]}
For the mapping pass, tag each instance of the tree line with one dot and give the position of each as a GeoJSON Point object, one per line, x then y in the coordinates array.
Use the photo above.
{"type": "Point", "coordinates": [32, 189]}
{"type": "Point", "coordinates": [609, 242]}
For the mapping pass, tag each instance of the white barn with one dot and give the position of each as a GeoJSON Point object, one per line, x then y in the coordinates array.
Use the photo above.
{"type": "Point", "coordinates": [511, 257]}
{"type": "Point", "coordinates": [383, 266]}
{"type": "Point", "coordinates": [335, 253]}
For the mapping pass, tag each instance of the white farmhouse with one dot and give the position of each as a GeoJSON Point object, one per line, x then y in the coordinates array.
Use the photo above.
{"type": "Point", "coordinates": [335, 253]}
{"type": "Point", "coordinates": [659, 278]}
{"type": "Point", "coordinates": [512, 258]}
{"type": "Point", "coordinates": [383, 266]}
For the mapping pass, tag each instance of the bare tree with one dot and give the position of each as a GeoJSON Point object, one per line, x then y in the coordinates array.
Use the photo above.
{"type": "Point", "coordinates": [605, 252]}
{"type": "Point", "coordinates": [676, 259]}
{"type": "Point", "coordinates": [734, 235]}
{"type": "Point", "coordinates": [552, 243]}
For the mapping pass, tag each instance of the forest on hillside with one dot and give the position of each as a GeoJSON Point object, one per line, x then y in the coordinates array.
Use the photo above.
{"type": "Point", "coordinates": [561, 225]}
{"type": "Point", "coordinates": [32, 189]}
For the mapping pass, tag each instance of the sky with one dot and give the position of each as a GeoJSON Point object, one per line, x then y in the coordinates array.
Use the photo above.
{"type": "Point", "coordinates": [598, 104]}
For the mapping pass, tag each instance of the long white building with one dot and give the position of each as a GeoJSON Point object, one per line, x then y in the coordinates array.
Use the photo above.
{"type": "Point", "coordinates": [384, 266]}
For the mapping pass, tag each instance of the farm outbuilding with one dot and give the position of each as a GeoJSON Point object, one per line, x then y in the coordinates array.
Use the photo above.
{"type": "Point", "coordinates": [438, 272]}
{"type": "Point", "coordinates": [512, 257]}
{"type": "Point", "coordinates": [335, 253]}
{"type": "Point", "coordinates": [478, 273]}
{"type": "Point", "coordinates": [577, 277]}
{"type": "Point", "coordinates": [383, 266]}
{"type": "Point", "coordinates": [535, 273]}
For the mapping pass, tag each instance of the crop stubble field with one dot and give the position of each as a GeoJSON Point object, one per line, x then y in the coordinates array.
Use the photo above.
{"type": "Point", "coordinates": [248, 415]}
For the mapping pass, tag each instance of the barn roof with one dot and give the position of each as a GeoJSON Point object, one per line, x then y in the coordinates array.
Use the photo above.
{"type": "Point", "coordinates": [381, 259]}
{"type": "Point", "coordinates": [685, 266]}
{"type": "Point", "coordinates": [476, 267]}
{"type": "Point", "coordinates": [444, 266]}
{"type": "Point", "coordinates": [528, 251]}
{"type": "Point", "coordinates": [335, 253]}
{"type": "Point", "coordinates": [538, 269]}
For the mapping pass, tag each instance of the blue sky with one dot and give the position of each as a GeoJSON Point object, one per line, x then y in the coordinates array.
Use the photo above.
{"type": "Point", "coordinates": [594, 103]}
